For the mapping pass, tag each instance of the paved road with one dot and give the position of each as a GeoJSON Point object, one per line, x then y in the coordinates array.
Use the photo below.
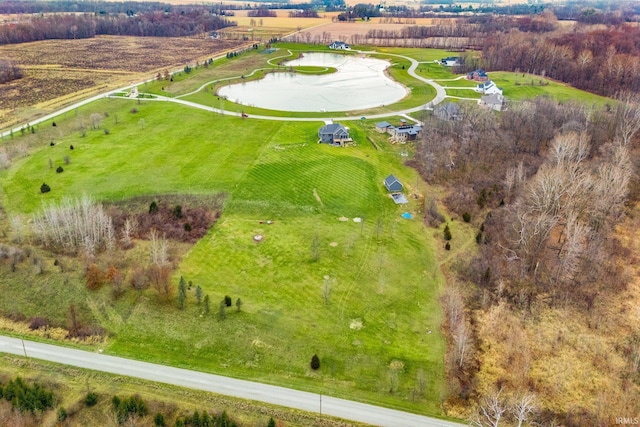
{"type": "Point", "coordinates": [305, 401]}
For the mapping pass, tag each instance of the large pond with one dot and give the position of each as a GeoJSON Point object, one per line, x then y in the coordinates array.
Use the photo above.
{"type": "Point", "coordinates": [359, 83]}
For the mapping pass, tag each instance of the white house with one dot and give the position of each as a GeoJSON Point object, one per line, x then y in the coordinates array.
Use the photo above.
{"type": "Point", "coordinates": [488, 88]}
{"type": "Point", "coordinates": [450, 61]}
{"type": "Point", "coordinates": [339, 45]}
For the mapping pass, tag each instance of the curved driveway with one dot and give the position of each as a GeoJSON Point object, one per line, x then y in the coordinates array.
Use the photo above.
{"type": "Point", "coordinates": [302, 400]}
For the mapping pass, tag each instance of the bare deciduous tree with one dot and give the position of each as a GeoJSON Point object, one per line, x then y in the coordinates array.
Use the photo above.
{"type": "Point", "coordinates": [627, 116]}
{"type": "Point", "coordinates": [490, 411]}
{"type": "Point", "coordinates": [159, 249]}
{"type": "Point", "coordinates": [74, 224]}
{"type": "Point", "coordinates": [522, 407]}
{"type": "Point", "coordinates": [96, 120]}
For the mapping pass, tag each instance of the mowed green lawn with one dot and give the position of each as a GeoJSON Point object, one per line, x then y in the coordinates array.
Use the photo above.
{"type": "Point", "coordinates": [384, 283]}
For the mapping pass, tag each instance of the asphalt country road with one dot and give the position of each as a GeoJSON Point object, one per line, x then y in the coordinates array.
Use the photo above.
{"type": "Point", "coordinates": [305, 401]}
{"type": "Point", "coordinates": [296, 399]}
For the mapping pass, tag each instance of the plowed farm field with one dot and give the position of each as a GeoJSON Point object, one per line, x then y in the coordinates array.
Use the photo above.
{"type": "Point", "coordinates": [58, 72]}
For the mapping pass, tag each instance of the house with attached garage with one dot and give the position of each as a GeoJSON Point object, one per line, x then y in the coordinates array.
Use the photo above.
{"type": "Point", "coordinates": [448, 111]}
{"type": "Point", "coordinates": [488, 88]}
{"type": "Point", "coordinates": [339, 45]}
{"type": "Point", "coordinates": [450, 61]}
{"type": "Point", "coordinates": [405, 133]}
{"type": "Point", "coordinates": [335, 134]}
{"type": "Point", "coordinates": [495, 101]}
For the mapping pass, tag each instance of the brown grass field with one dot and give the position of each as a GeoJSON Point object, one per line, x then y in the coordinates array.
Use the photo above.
{"type": "Point", "coordinates": [58, 72]}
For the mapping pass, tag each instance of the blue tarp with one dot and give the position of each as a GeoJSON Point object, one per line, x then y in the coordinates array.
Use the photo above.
{"type": "Point", "coordinates": [407, 215]}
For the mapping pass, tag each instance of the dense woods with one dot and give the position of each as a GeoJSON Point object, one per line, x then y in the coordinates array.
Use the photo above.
{"type": "Point", "coordinates": [602, 61]}
{"type": "Point", "coordinates": [546, 184]}
{"type": "Point", "coordinates": [148, 24]}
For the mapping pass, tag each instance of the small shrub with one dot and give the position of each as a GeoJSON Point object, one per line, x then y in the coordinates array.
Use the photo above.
{"type": "Point", "coordinates": [466, 217]}
{"type": "Point", "coordinates": [158, 420]}
{"type": "Point", "coordinates": [134, 110]}
{"type": "Point", "coordinates": [207, 304]}
{"type": "Point", "coordinates": [37, 323]}
{"type": "Point", "coordinates": [62, 414]}
{"type": "Point", "coordinates": [59, 169]}
{"type": "Point", "coordinates": [44, 188]}
{"type": "Point", "coordinates": [51, 144]}
{"type": "Point", "coordinates": [107, 131]}
{"type": "Point", "coordinates": [227, 300]}
{"type": "Point", "coordinates": [479, 237]}
{"type": "Point", "coordinates": [153, 207]}
{"type": "Point", "coordinates": [482, 198]}
{"type": "Point", "coordinates": [447, 232]}
{"type": "Point", "coordinates": [91, 399]}
{"type": "Point", "coordinates": [177, 211]}
{"type": "Point", "coordinates": [187, 227]}
{"type": "Point", "coordinates": [448, 246]}
{"type": "Point", "coordinates": [71, 147]}
{"type": "Point", "coordinates": [94, 277]}
{"type": "Point", "coordinates": [315, 362]}
{"type": "Point", "coordinates": [139, 280]}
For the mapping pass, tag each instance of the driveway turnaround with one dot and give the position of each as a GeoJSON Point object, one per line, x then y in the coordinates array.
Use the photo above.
{"type": "Point", "coordinates": [310, 402]}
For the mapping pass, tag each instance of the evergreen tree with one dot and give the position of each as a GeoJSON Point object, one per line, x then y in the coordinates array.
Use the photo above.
{"type": "Point", "coordinates": [207, 304]}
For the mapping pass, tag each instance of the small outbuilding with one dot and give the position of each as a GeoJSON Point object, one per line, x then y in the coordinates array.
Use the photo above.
{"type": "Point", "coordinates": [383, 127]}
{"type": "Point", "coordinates": [392, 184]}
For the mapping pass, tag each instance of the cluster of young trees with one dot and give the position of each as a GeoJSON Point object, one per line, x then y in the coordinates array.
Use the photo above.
{"type": "Point", "coordinates": [9, 71]}
{"type": "Point", "coordinates": [147, 24]}
{"type": "Point", "coordinates": [75, 224]}
{"type": "Point", "coordinates": [304, 13]}
{"type": "Point", "coordinates": [262, 12]}
{"type": "Point", "coordinates": [27, 398]}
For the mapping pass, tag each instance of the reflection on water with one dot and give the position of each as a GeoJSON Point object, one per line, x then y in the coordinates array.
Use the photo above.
{"type": "Point", "coordinates": [359, 83]}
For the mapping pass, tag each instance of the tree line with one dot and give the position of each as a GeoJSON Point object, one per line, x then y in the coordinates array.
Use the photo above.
{"type": "Point", "coordinates": [147, 24]}
{"type": "Point", "coordinates": [546, 184]}
{"type": "Point", "coordinates": [602, 61]}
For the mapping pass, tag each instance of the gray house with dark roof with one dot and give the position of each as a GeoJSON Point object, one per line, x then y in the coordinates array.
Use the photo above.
{"type": "Point", "coordinates": [448, 111]}
{"type": "Point", "coordinates": [392, 184]}
{"type": "Point", "coordinates": [334, 133]}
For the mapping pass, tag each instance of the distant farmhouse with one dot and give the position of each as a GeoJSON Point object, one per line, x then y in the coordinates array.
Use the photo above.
{"type": "Point", "coordinates": [339, 46]}
{"type": "Point", "coordinates": [495, 101]}
{"type": "Point", "coordinates": [450, 61]}
{"type": "Point", "coordinates": [448, 111]}
{"type": "Point", "coordinates": [488, 88]}
{"type": "Point", "coordinates": [334, 134]}
{"type": "Point", "coordinates": [402, 133]}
